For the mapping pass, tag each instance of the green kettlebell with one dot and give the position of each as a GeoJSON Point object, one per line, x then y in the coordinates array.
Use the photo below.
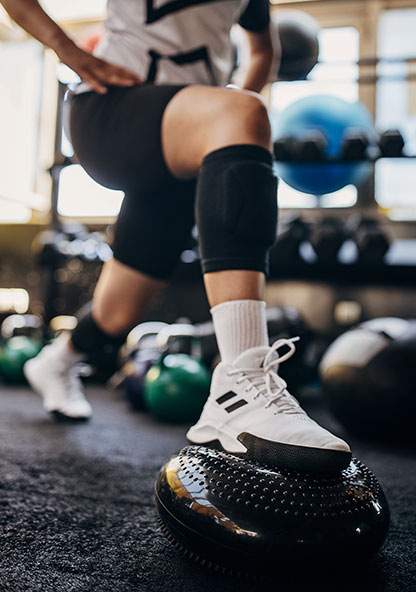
{"type": "Point", "coordinates": [14, 354]}
{"type": "Point", "coordinates": [176, 388]}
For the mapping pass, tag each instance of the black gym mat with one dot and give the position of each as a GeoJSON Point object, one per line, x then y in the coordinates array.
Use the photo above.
{"type": "Point", "coordinates": [77, 512]}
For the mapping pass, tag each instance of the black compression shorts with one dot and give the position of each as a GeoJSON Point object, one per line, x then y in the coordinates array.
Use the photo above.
{"type": "Point", "coordinates": [117, 139]}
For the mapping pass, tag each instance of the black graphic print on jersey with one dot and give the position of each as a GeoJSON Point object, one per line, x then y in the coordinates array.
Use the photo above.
{"type": "Point", "coordinates": [197, 55]}
{"type": "Point", "coordinates": [154, 14]}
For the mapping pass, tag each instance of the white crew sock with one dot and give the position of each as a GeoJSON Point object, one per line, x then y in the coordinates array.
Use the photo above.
{"type": "Point", "coordinates": [61, 354]}
{"type": "Point", "coordinates": [239, 325]}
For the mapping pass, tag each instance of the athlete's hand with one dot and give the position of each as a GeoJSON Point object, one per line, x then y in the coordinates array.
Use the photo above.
{"type": "Point", "coordinates": [98, 73]}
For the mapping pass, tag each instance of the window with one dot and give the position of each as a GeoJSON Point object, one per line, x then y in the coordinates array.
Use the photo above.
{"type": "Point", "coordinates": [19, 121]}
{"type": "Point", "coordinates": [336, 74]}
{"type": "Point", "coordinates": [79, 195]}
{"type": "Point", "coordinates": [21, 74]}
{"type": "Point", "coordinates": [395, 180]}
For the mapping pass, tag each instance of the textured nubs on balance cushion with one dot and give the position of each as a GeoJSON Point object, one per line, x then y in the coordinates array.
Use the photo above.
{"type": "Point", "coordinates": [238, 514]}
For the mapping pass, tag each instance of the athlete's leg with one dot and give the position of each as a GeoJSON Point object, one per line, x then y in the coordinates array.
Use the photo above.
{"type": "Point", "coordinates": [117, 139]}
{"type": "Point", "coordinates": [225, 137]}
{"type": "Point", "coordinates": [134, 289]}
{"type": "Point", "coordinates": [129, 282]}
{"type": "Point", "coordinates": [197, 122]}
{"type": "Point", "coordinates": [157, 213]}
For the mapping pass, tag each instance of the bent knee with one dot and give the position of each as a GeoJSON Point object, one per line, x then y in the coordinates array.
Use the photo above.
{"type": "Point", "coordinates": [251, 107]}
{"type": "Point", "coordinates": [200, 120]}
{"type": "Point", "coordinates": [243, 118]}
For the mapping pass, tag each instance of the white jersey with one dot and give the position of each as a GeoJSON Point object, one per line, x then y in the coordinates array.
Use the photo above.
{"type": "Point", "coordinates": [177, 41]}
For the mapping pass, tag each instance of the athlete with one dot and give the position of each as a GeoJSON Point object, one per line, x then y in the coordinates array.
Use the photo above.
{"type": "Point", "coordinates": [152, 117]}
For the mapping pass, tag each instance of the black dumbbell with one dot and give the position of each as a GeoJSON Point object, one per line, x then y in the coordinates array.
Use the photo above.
{"type": "Point", "coordinates": [292, 232]}
{"type": "Point", "coordinates": [284, 149]}
{"type": "Point", "coordinates": [371, 242]}
{"type": "Point", "coordinates": [308, 148]}
{"type": "Point", "coordinates": [311, 147]}
{"type": "Point", "coordinates": [391, 143]}
{"type": "Point", "coordinates": [355, 145]}
{"type": "Point", "coordinates": [327, 237]}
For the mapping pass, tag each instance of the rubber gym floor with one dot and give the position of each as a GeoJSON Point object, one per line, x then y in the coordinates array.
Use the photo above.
{"type": "Point", "coordinates": [77, 512]}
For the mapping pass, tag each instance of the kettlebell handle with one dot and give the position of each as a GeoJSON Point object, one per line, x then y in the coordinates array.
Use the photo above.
{"type": "Point", "coordinates": [134, 338]}
{"type": "Point", "coordinates": [143, 330]}
{"type": "Point", "coordinates": [180, 330]}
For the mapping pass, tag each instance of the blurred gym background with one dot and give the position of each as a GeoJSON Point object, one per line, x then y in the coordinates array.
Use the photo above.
{"type": "Point", "coordinates": [41, 189]}
{"type": "Point", "coordinates": [343, 113]}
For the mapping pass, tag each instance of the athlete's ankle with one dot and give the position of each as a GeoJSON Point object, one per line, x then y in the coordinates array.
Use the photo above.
{"type": "Point", "coordinates": [63, 352]}
{"type": "Point", "coordinates": [239, 325]}
{"type": "Point", "coordinates": [89, 338]}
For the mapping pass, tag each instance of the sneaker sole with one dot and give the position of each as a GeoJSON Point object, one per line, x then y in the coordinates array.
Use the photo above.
{"type": "Point", "coordinates": [285, 456]}
{"type": "Point", "coordinates": [62, 418]}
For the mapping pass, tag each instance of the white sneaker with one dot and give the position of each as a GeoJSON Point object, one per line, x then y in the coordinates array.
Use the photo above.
{"type": "Point", "coordinates": [58, 384]}
{"type": "Point", "coordinates": [250, 413]}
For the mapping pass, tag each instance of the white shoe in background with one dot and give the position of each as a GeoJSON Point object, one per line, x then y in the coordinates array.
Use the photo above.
{"type": "Point", "coordinates": [54, 377]}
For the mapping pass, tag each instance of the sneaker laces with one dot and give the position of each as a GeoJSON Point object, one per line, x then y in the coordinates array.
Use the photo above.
{"type": "Point", "coordinates": [267, 382]}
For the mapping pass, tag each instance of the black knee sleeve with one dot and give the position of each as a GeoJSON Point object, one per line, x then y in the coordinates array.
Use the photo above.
{"type": "Point", "coordinates": [88, 338]}
{"type": "Point", "coordinates": [236, 208]}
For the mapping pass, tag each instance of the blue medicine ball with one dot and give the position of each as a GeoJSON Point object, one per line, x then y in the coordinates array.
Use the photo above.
{"type": "Point", "coordinates": [334, 117]}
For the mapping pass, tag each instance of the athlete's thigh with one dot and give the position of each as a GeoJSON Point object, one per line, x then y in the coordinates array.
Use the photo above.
{"type": "Point", "coordinates": [117, 136]}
